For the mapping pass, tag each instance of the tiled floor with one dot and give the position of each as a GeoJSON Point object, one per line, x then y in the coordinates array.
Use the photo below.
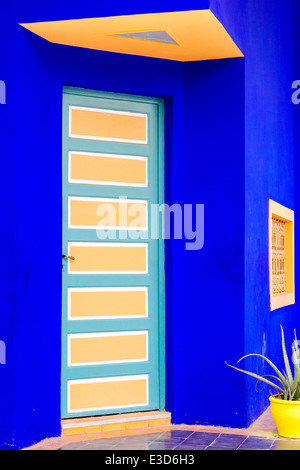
{"type": "Point", "coordinates": [262, 435]}
{"type": "Point", "coordinates": [177, 440]}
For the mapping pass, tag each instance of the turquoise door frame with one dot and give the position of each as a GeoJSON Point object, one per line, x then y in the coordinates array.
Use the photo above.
{"type": "Point", "coordinates": [154, 280]}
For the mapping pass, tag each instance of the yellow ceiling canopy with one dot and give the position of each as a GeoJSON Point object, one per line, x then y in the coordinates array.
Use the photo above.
{"type": "Point", "coordinates": [183, 36]}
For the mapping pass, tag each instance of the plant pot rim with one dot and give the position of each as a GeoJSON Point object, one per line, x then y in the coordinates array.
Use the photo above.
{"type": "Point", "coordinates": [284, 402]}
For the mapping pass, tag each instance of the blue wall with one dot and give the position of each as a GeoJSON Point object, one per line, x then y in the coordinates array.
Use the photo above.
{"type": "Point", "coordinates": [264, 32]}
{"type": "Point", "coordinates": [207, 282]}
{"type": "Point", "coordinates": [217, 113]}
{"type": "Point", "coordinates": [33, 11]}
{"type": "Point", "coordinates": [296, 108]}
{"type": "Point", "coordinates": [45, 69]}
{"type": "Point", "coordinates": [8, 262]}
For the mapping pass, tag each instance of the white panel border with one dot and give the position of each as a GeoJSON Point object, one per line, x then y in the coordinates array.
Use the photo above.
{"type": "Point", "coordinates": [107, 289]}
{"type": "Point", "coordinates": [103, 200]}
{"type": "Point", "coordinates": [107, 111]}
{"type": "Point", "coordinates": [106, 244]}
{"type": "Point", "coordinates": [109, 379]}
{"type": "Point", "coordinates": [106, 183]}
{"type": "Point", "coordinates": [102, 335]}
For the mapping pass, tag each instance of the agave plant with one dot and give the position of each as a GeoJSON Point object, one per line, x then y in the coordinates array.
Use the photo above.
{"type": "Point", "coordinates": [287, 383]}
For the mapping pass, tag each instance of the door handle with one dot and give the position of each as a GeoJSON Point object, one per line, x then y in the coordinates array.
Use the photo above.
{"type": "Point", "coordinates": [69, 257]}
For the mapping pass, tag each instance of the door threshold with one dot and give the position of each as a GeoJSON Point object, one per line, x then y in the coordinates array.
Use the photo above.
{"type": "Point", "coordinates": [119, 422]}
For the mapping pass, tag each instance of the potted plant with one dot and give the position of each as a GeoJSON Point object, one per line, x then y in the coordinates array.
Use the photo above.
{"type": "Point", "coordinates": [285, 405]}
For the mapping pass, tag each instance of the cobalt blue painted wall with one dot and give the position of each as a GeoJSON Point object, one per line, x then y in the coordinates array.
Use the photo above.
{"type": "Point", "coordinates": [209, 284]}
{"type": "Point", "coordinates": [296, 109]}
{"type": "Point", "coordinates": [8, 261]}
{"type": "Point", "coordinates": [43, 70]}
{"type": "Point", "coordinates": [264, 32]}
{"type": "Point", "coordinates": [207, 322]}
{"type": "Point", "coordinates": [33, 11]}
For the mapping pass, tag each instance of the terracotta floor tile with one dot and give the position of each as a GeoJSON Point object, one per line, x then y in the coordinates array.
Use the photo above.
{"type": "Point", "coordinates": [264, 427]}
{"type": "Point", "coordinates": [185, 427]}
{"type": "Point", "coordinates": [132, 432]}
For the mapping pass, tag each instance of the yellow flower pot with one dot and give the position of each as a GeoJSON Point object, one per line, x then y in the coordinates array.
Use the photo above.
{"type": "Point", "coordinates": [286, 415]}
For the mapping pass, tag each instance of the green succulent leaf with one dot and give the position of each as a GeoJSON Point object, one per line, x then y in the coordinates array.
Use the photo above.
{"type": "Point", "coordinates": [294, 389]}
{"type": "Point", "coordinates": [269, 377]}
{"type": "Point", "coordinates": [296, 357]}
{"type": "Point", "coordinates": [276, 370]}
{"type": "Point", "coordinates": [256, 376]}
{"type": "Point", "coordinates": [289, 385]}
{"type": "Point", "coordinates": [286, 359]}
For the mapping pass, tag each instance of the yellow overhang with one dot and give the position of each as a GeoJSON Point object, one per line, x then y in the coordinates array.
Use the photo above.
{"type": "Point", "coordinates": [183, 36]}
